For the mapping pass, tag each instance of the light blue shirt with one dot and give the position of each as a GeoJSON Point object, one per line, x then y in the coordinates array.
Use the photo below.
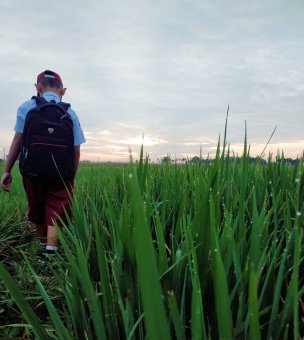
{"type": "Point", "coordinates": [48, 96]}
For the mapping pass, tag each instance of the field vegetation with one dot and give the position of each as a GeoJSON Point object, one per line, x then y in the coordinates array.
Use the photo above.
{"type": "Point", "coordinates": [166, 251]}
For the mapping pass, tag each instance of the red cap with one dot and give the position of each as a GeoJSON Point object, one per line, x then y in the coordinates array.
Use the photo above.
{"type": "Point", "coordinates": [49, 74]}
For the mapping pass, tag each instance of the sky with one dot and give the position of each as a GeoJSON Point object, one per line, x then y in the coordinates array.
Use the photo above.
{"type": "Point", "coordinates": [161, 73]}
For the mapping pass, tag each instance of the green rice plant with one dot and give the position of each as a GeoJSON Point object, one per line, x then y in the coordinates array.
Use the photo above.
{"type": "Point", "coordinates": [254, 325]}
{"type": "Point", "coordinates": [222, 298]}
{"type": "Point", "coordinates": [147, 270]}
{"type": "Point", "coordinates": [207, 250]}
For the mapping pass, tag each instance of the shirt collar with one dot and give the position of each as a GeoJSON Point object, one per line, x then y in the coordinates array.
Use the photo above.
{"type": "Point", "coordinates": [49, 95]}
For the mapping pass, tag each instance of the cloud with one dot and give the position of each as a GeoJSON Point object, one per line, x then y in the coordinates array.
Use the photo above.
{"type": "Point", "coordinates": [115, 147]}
{"type": "Point", "coordinates": [163, 70]}
{"type": "Point", "coordinates": [139, 140]}
{"type": "Point", "coordinates": [105, 133]}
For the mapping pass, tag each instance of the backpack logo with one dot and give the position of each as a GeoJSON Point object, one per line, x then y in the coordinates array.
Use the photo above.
{"type": "Point", "coordinates": [50, 130]}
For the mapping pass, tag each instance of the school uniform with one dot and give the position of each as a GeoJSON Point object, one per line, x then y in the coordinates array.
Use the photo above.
{"type": "Point", "coordinates": [47, 200]}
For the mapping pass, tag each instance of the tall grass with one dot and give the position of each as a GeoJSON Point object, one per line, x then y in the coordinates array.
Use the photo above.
{"type": "Point", "coordinates": [202, 251]}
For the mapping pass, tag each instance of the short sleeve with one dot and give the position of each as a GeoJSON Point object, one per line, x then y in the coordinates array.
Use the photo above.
{"type": "Point", "coordinates": [78, 132]}
{"type": "Point", "coordinates": [21, 114]}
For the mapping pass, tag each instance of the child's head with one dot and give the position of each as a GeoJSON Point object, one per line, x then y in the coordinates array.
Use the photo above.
{"type": "Point", "coordinates": [49, 81]}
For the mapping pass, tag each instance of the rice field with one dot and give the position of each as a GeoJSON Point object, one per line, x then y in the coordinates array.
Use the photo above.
{"type": "Point", "coordinates": [183, 251]}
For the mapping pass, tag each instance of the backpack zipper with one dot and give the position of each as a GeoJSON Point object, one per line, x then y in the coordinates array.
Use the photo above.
{"type": "Point", "coordinates": [58, 145]}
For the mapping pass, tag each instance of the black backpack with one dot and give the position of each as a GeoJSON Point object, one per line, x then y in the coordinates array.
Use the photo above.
{"type": "Point", "coordinates": [47, 152]}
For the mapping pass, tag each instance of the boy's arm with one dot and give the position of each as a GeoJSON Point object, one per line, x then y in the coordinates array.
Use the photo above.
{"type": "Point", "coordinates": [77, 157]}
{"type": "Point", "coordinates": [11, 159]}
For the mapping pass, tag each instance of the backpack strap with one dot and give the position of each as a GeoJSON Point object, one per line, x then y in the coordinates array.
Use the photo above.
{"type": "Point", "coordinates": [39, 100]}
{"type": "Point", "coordinates": [42, 101]}
{"type": "Point", "coordinates": [64, 105]}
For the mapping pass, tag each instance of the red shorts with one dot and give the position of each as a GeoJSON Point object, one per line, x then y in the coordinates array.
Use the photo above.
{"type": "Point", "coordinates": [47, 200]}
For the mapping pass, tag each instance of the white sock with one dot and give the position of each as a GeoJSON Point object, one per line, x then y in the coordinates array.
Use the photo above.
{"type": "Point", "coordinates": [51, 248]}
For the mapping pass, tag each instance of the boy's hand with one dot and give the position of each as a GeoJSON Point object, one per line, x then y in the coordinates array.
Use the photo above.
{"type": "Point", "coordinates": [6, 181]}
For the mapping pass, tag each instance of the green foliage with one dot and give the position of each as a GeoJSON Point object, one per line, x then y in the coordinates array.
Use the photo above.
{"type": "Point", "coordinates": [202, 250]}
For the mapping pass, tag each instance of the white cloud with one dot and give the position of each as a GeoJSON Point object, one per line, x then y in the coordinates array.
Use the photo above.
{"type": "Point", "coordinates": [163, 70]}
{"type": "Point", "coordinates": [105, 133]}
{"type": "Point", "coordinates": [139, 140]}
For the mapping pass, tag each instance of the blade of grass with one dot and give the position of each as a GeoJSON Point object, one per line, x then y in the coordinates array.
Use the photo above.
{"type": "Point", "coordinates": [91, 294]}
{"type": "Point", "coordinates": [222, 300]}
{"type": "Point", "coordinates": [254, 326]}
{"type": "Point", "coordinates": [61, 330]}
{"type": "Point", "coordinates": [175, 315]}
{"type": "Point", "coordinates": [151, 293]}
{"type": "Point", "coordinates": [27, 311]}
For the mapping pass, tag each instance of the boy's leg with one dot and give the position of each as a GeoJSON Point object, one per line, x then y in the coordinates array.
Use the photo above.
{"type": "Point", "coordinates": [52, 238]}
{"type": "Point", "coordinates": [41, 231]}
{"type": "Point", "coordinates": [57, 204]}
{"type": "Point", "coordinates": [35, 196]}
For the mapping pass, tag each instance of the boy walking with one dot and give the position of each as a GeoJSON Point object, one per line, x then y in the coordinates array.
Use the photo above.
{"type": "Point", "coordinates": [48, 197]}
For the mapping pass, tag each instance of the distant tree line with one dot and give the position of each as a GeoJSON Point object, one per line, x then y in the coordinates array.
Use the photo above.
{"type": "Point", "coordinates": [197, 159]}
{"type": "Point", "coordinates": [288, 160]}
